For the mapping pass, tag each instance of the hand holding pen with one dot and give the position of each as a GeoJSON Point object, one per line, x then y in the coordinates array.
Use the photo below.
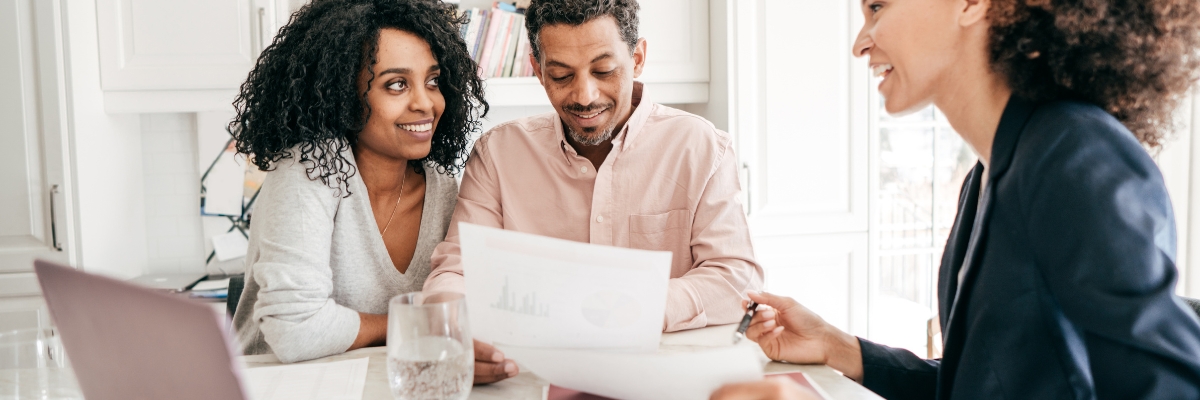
{"type": "Point", "coordinates": [787, 331]}
{"type": "Point", "coordinates": [740, 333]}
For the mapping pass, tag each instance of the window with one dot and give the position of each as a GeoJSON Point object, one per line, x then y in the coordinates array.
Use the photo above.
{"type": "Point", "coordinates": [919, 163]}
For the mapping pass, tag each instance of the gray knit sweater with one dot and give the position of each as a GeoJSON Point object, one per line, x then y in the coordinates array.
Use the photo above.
{"type": "Point", "coordinates": [316, 259]}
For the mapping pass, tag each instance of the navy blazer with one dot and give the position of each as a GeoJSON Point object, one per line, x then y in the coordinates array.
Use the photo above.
{"type": "Point", "coordinates": [1068, 288]}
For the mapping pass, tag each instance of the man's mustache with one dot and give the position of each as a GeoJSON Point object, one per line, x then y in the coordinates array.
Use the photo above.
{"type": "Point", "coordinates": [582, 109]}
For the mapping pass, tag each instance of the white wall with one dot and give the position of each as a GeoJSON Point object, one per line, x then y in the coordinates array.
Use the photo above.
{"type": "Point", "coordinates": [717, 108]}
{"type": "Point", "coordinates": [498, 115]}
{"type": "Point", "coordinates": [137, 185]}
{"type": "Point", "coordinates": [109, 202]}
{"type": "Point", "coordinates": [172, 192]}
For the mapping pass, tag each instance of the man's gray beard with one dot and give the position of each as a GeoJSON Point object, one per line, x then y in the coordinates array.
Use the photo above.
{"type": "Point", "coordinates": [579, 138]}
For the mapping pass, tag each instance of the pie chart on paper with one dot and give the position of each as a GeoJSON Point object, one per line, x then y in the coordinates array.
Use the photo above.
{"type": "Point", "coordinates": [611, 309]}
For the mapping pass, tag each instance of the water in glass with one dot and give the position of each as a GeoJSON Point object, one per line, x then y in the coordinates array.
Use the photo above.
{"type": "Point", "coordinates": [430, 350]}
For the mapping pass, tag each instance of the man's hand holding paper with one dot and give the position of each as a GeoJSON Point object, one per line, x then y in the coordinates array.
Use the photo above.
{"type": "Point", "coordinates": [584, 317]}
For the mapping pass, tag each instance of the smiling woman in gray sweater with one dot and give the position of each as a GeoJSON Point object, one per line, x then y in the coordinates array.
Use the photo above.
{"type": "Point", "coordinates": [317, 260]}
{"type": "Point", "coordinates": [361, 112]}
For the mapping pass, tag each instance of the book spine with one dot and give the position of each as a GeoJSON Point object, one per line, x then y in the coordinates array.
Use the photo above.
{"type": "Point", "coordinates": [484, 17]}
{"type": "Point", "coordinates": [462, 30]}
{"type": "Point", "coordinates": [499, 44]}
{"type": "Point", "coordinates": [471, 30]}
{"type": "Point", "coordinates": [510, 7]}
{"type": "Point", "coordinates": [494, 22]}
{"type": "Point", "coordinates": [516, 67]}
{"type": "Point", "coordinates": [523, 67]}
{"type": "Point", "coordinates": [510, 54]}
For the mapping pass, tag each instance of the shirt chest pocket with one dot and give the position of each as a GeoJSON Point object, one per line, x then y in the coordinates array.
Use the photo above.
{"type": "Point", "coordinates": [669, 231]}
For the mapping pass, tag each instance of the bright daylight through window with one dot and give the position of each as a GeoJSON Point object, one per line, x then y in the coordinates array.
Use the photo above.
{"type": "Point", "coordinates": [919, 165]}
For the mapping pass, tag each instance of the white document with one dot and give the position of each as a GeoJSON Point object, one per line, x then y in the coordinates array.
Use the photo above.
{"type": "Point", "coordinates": [338, 380]}
{"type": "Point", "coordinates": [685, 376]}
{"type": "Point", "coordinates": [223, 193]}
{"type": "Point", "coordinates": [530, 290]}
{"type": "Point", "coordinates": [230, 245]}
{"type": "Point", "coordinates": [211, 285]}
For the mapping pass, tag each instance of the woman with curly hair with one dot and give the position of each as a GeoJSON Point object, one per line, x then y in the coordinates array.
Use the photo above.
{"type": "Point", "coordinates": [360, 110]}
{"type": "Point", "coordinates": [1058, 277]}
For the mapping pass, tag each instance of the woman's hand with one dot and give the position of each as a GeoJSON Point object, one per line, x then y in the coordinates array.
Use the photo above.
{"type": "Point", "coordinates": [490, 365]}
{"type": "Point", "coordinates": [773, 388]}
{"type": "Point", "coordinates": [787, 331]}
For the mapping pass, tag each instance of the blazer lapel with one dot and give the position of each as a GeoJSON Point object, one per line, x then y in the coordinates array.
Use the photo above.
{"type": "Point", "coordinates": [1012, 122]}
{"type": "Point", "coordinates": [953, 340]}
{"type": "Point", "coordinates": [956, 244]}
{"type": "Point", "coordinates": [970, 258]}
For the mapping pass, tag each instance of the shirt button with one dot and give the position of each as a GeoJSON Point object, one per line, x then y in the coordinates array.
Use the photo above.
{"type": "Point", "coordinates": [583, 169]}
{"type": "Point", "coordinates": [599, 218]}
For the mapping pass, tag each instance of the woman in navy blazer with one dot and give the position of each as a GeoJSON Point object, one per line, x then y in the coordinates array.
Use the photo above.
{"type": "Point", "coordinates": [1058, 277]}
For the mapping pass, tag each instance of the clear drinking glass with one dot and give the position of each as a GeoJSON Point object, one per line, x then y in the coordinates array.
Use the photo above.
{"type": "Point", "coordinates": [33, 365]}
{"type": "Point", "coordinates": [430, 351]}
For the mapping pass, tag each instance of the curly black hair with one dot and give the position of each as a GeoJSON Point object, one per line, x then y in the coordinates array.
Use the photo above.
{"type": "Point", "coordinates": [1135, 59]}
{"type": "Point", "coordinates": [576, 12]}
{"type": "Point", "coordinates": [304, 91]}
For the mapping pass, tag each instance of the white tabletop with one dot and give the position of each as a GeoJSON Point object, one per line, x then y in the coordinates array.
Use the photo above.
{"type": "Point", "coordinates": [527, 386]}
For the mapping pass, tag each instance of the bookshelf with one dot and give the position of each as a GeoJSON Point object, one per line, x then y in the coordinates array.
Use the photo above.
{"type": "Point", "coordinates": [677, 70]}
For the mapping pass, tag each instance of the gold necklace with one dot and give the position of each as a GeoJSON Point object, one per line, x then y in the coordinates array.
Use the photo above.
{"type": "Point", "coordinates": [393, 214]}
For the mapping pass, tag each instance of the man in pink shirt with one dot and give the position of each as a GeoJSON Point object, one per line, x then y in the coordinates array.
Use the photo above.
{"type": "Point", "coordinates": [609, 167]}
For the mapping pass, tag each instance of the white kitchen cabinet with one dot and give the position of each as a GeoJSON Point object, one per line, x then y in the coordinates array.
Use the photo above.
{"type": "Point", "coordinates": [179, 55]}
{"type": "Point", "coordinates": [192, 55]}
{"type": "Point", "coordinates": [35, 220]}
{"type": "Point", "coordinates": [802, 136]}
{"type": "Point", "coordinates": [676, 33]}
{"type": "Point", "coordinates": [25, 312]}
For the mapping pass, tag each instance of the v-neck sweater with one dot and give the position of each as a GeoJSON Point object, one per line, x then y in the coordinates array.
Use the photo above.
{"type": "Point", "coordinates": [316, 259]}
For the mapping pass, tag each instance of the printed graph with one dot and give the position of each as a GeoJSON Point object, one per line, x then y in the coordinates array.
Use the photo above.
{"type": "Point", "coordinates": [528, 304]}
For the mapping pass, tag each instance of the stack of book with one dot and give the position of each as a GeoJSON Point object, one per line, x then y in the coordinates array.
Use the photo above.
{"type": "Point", "coordinates": [498, 41]}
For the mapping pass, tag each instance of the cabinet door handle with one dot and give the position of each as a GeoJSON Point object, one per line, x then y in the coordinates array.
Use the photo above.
{"type": "Point", "coordinates": [54, 220]}
{"type": "Point", "coordinates": [749, 188]}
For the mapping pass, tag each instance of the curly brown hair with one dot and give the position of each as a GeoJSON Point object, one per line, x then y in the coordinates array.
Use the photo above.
{"type": "Point", "coordinates": [1134, 58]}
{"type": "Point", "coordinates": [303, 93]}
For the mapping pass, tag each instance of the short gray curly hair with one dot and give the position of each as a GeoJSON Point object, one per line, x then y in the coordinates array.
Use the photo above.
{"type": "Point", "coordinates": [576, 12]}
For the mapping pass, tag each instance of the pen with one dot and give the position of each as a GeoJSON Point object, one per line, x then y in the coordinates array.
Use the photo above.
{"type": "Point", "coordinates": [740, 333]}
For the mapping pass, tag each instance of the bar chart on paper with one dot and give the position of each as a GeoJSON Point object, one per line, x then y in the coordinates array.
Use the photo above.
{"type": "Point", "coordinates": [528, 305]}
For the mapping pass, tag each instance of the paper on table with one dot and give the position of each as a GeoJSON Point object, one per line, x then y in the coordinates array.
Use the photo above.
{"type": "Point", "coordinates": [211, 285]}
{"type": "Point", "coordinates": [338, 380]}
{"type": "Point", "coordinates": [529, 290]}
{"type": "Point", "coordinates": [692, 375]}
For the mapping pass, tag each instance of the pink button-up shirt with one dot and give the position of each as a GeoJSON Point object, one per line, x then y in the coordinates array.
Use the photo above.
{"type": "Point", "coordinates": [670, 183]}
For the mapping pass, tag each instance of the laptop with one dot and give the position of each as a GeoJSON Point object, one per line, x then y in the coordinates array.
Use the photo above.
{"type": "Point", "coordinates": [128, 342]}
{"type": "Point", "coordinates": [169, 282]}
